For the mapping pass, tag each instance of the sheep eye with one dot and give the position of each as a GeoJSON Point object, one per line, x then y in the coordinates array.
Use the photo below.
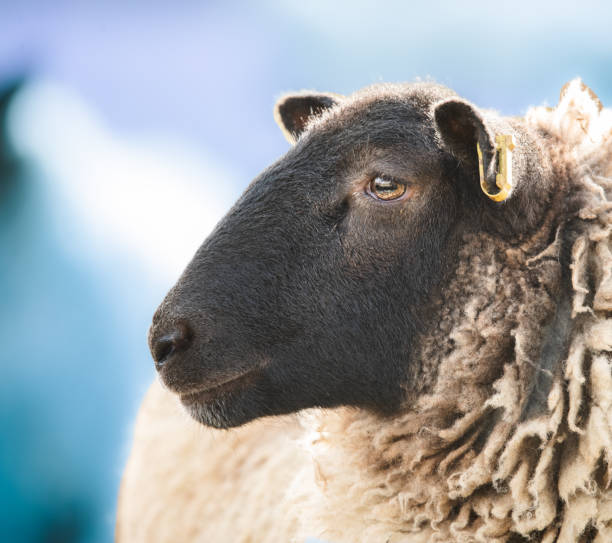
{"type": "Point", "coordinates": [383, 188]}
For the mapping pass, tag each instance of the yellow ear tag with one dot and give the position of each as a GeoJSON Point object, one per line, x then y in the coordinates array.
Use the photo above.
{"type": "Point", "coordinates": [504, 144]}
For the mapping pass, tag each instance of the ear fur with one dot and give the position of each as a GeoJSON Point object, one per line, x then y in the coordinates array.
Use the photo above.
{"type": "Point", "coordinates": [293, 111]}
{"type": "Point", "coordinates": [461, 126]}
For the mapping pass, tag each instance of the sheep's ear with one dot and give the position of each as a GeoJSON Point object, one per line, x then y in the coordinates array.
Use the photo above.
{"type": "Point", "coordinates": [463, 129]}
{"type": "Point", "coordinates": [293, 111]}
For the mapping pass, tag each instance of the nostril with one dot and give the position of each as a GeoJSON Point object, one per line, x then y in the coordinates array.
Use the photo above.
{"type": "Point", "coordinates": [164, 347]}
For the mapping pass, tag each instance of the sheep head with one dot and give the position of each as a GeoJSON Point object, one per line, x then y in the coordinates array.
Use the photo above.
{"type": "Point", "coordinates": [328, 281]}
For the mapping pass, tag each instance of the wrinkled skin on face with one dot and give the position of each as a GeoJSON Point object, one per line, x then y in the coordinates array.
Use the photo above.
{"type": "Point", "coordinates": [313, 292]}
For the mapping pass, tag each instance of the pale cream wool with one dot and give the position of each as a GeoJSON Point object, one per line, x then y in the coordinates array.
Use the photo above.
{"type": "Point", "coordinates": [508, 444]}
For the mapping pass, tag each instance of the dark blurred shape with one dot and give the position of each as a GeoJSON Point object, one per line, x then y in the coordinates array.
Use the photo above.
{"type": "Point", "coordinates": [63, 525]}
{"type": "Point", "coordinates": [8, 160]}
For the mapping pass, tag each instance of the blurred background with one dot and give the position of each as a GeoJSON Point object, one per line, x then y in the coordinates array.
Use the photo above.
{"type": "Point", "coordinates": [127, 129]}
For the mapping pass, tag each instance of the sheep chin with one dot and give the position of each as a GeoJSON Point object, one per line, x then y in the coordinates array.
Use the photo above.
{"type": "Point", "coordinates": [227, 405]}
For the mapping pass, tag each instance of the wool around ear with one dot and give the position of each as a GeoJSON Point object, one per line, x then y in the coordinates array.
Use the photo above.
{"type": "Point", "coordinates": [578, 82]}
{"type": "Point", "coordinates": [461, 126]}
{"type": "Point", "coordinates": [292, 112]}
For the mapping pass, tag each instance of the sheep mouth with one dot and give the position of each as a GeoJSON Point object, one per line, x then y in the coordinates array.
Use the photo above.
{"type": "Point", "coordinates": [211, 394]}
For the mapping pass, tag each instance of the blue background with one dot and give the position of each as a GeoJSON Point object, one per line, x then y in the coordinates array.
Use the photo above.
{"type": "Point", "coordinates": [127, 129]}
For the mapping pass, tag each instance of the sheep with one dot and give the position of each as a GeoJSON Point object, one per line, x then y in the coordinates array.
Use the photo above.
{"type": "Point", "coordinates": [450, 356]}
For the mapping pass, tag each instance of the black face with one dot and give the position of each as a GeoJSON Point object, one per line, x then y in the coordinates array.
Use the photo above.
{"type": "Point", "coordinates": [313, 289]}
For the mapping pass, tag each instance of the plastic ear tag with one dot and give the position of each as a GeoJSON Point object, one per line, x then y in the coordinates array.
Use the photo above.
{"type": "Point", "coordinates": [504, 144]}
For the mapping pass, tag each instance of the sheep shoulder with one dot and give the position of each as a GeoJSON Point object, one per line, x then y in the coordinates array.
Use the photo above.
{"type": "Point", "coordinates": [185, 482]}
